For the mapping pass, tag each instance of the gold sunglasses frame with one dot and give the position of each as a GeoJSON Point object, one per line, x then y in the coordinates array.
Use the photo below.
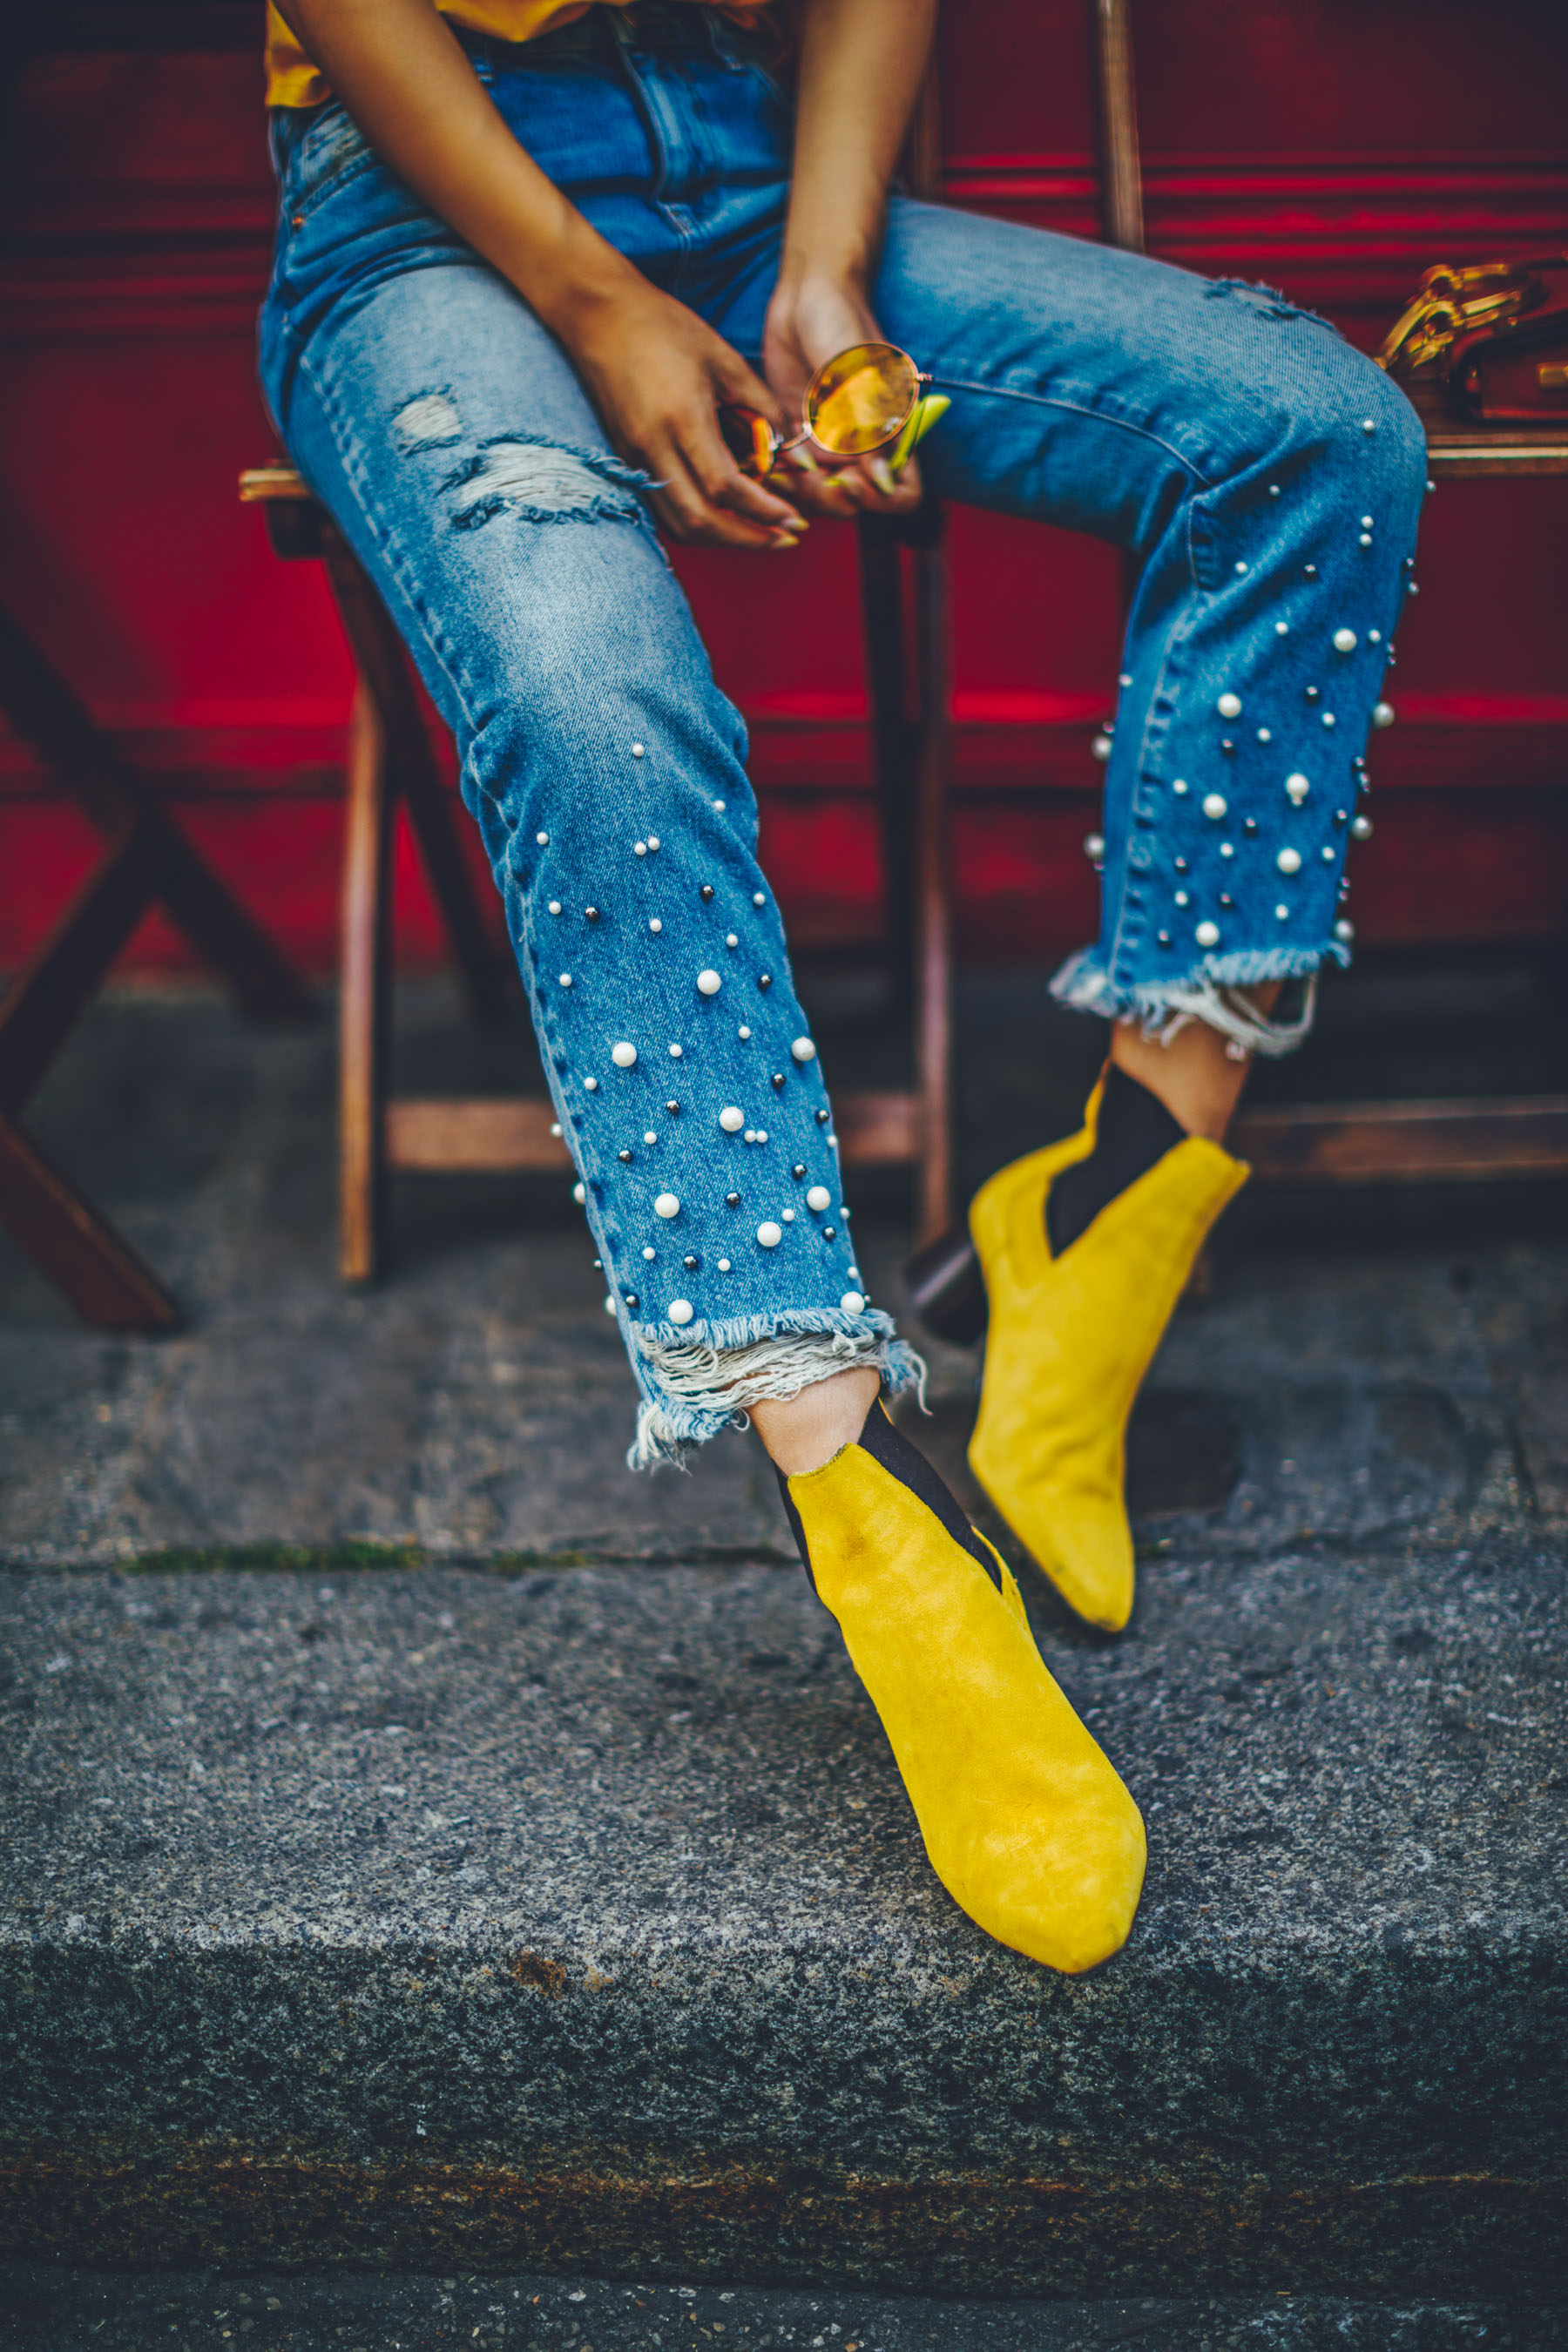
{"type": "Point", "coordinates": [766, 435]}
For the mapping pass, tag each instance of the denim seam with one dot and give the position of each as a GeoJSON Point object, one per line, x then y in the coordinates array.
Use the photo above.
{"type": "Point", "coordinates": [1075, 408]}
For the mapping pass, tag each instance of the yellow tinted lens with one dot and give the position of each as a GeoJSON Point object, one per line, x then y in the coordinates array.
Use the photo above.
{"type": "Point", "coordinates": [862, 400]}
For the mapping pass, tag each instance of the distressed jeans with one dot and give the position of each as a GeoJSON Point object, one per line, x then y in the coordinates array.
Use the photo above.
{"type": "Point", "coordinates": [1267, 478]}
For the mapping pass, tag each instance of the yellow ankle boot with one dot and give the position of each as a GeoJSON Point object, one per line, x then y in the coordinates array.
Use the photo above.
{"type": "Point", "coordinates": [1067, 1344]}
{"type": "Point", "coordinates": [1025, 1822]}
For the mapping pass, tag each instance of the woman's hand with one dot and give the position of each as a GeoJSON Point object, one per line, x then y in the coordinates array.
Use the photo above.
{"type": "Point", "coordinates": [657, 375]}
{"type": "Point", "coordinates": [813, 318]}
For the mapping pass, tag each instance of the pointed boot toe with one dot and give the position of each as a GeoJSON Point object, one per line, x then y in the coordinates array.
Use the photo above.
{"type": "Point", "coordinates": [1026, 1822]}
{"type": "Point", "coordinates": [1067, 1344]}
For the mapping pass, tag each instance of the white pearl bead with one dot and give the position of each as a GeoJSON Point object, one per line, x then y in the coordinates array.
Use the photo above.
{"type": "Point", "coordinates": [789, 1216]}
{"type": "Point", "coordinates": [675, 1052]}
{"type": "Point", "coordinates": [555, 906]}
{"type": "Point", "coordinates": [1327, 718]}
{"type": "Point", "coordinates": [1274, 490]}
{"type": "Point", "coordinates": [803, 1050]}
{"type": "Point", "coordinates": [555, 1127]}
{"type": "Point", "coordinates": [770, 1236]}
{"type": "Point", "coordinates": [653, 841]}
{"type": "Point", "coordinates": [1282, 629]}
{"type": "Point", "coordinates": [1094, 847]}
{"type": "Point", "coordinates": [1374, 636]}
{"type": "Point", "coordinates": [750, 1136]}
{"type": "Point", "coordinates": [1344, 930]}
{"type": "Point", "coordinates": [720, 806]}
{"type": "Point", "coordinates": [762, 1135]}
{"type": "Point", "coordinates": [637, 751]}
{"type": "Point", "coordinates": [1180, 788]}
{"type": "Point", "coordinates": [566, 979]}
{"type": "Point", "coordinates": [1328, 854]}
{"type": "Point", "coordinates": [640, 848]}
{"type": "Point", "coordinates": [819, 1198]}
{"type": "Point", "coordinates": [1207, 935]}
{"type": "Point", "coordinates": [1297, 788]}
{"type": "Point", "coordinates": [1369, 425]}
{"type": "Point", "coordinates": [1125, 679]}
{"type": "Point", "coordinates": [623, 1056]}
{"type": "Point", "coordinates": [649, 1136]}
{"type": "Point", "coordinates": [709, 983]}
{"type": "Point", "coordinates": [1182, 900]}
{"type": "Point", "coordinates": [1365, 540]}
{"type": "Point", "coordinates": [1382, 714]}
{"type": "Point", "coordinates": [655, 925]}
{"type": "Point", "coordinates": [1229, 706]}
{"type": "Point", "coordinates": [609, 1306]}
{"type": "Point", "coordinates": [649, 1256]}
{"type": "Point", "coordinates": [1366, 522]}
{"type": "Point", "coordinates": [590, 1086]}
{"type": "Point", "coordinates": [578, 1195]}
{"type": "Point", "coordinates": [1361, 828]}
{"type": "Point", "coordinates": [1344, 641]}
{"type": "Point", "coordinates": [1266, 735]}
{"type": "Point", "coordinates": [1283, 914]}
{"type": "Point", "coordinates": [542, 839]}
{"type": "Point", "coordinates": [1100, 747]}
{"type": "Point", "coordinates": [730, 1119]}
{"type": "Point", "coordinates": [759, 898]}
{"type": "Point", "coordinates": [680, 1310]}
{"type": "Point", "coordinates": [1288, 861]}
{"type": "Point", "coordinates": [1227, 849]}
{"type": "Point", "coordinates": [730, 940]}
{"type": "Point", "coordinates": [1215, 805]}
{"type": "Point", "coordinates": [723, 1265]}
{"type": "Point", "coordinates": [743, 1033]}
{"type": "Point", "coordinates": [667, 1205]}
{"type": "Point", "coordinates": [852, 1303]}
{"type": "Point", "coordinates": [1241, 570]}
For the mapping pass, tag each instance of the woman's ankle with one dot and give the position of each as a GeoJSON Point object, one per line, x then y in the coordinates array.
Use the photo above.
{"type": "Point", "coordinates": [801, 1433]}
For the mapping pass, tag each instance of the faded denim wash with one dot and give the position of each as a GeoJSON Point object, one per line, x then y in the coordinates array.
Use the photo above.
{"type": "Point", "coordinates": [1266, 476]}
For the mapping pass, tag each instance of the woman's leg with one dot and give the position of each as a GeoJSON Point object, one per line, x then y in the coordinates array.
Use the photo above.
{"type": "Point", "coordinates": [1268, 479]}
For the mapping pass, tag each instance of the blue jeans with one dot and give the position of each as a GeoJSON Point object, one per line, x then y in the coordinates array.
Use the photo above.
{"type": "Point", "coordinates": [1266, 476]}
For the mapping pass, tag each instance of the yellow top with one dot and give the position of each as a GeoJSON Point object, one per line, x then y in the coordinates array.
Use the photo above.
{"type": "Point", "coordinates": [293, 80]}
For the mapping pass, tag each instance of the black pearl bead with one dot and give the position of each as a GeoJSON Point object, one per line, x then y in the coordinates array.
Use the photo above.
{"type": "Point", "coordinates": [633, 1301]}
{"type": "Point", "coordinates": [707, 890]}
{"type": "Point", "coordinates": [1225, 899]}
{"type": "Point", "coordinates": [798, 1170]}
{"type": "Point", "coordinates": [731, 1200]}
{"type": "Point", "coordinates": [778, 1081]}
{"type": "Point", "coordinates": [591, 913]}
{"type": "Point", "coordinates": [598, 1266]}
{"type": "Point", "coordinates": [829, 1232]}
{"type": "Point", "coordinates": [673, 1108]}
{"type": "Point", "coordinates": [1309, 571]}
{"type": "Point", "coordinates": [1249, 824]}
{"type": "Point", "coordinates": [1314, 694]}
{"type": "Point", "coordinates": [764, 980]}
{"type": "Point", "coordinates": [1163, 938]}
{"type": "Point", "coordinates": [691, 1264]}
{"type": "Point", "coordinates": [1228, 748]}
{"type": "Point", "coordinates": [1181, 864]}
{"type": "Point", "coordinates": [822, 1118]}
{"type": "Point", "coordinates": [1339, 816]}
{"type": "Point", "coordinates": [625, 1158]}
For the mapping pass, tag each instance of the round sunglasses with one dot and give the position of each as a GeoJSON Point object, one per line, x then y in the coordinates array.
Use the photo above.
{"type": "Point", "coordinates": [860, 401]}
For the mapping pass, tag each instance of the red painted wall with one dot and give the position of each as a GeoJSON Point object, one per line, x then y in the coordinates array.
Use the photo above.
{"type": "Point", "coordinates": [1332, 148]}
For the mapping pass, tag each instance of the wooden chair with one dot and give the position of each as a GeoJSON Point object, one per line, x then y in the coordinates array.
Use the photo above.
{"type": "Point", "coordinates": [1356, 1143]}
{"type": "Point", "coordinates": [146, 859]}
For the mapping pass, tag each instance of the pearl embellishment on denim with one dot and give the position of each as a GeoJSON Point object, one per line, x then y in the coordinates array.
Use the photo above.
{"type": "Point", "coordinates": [1344, 641]}
{"type": "Point", "coordinates": [590, 1086]}
{"type": "Point", "coordinates": [637, 751]}
{"type": "Point", "coordinates": [723, 1265]}
{"type": "Point", "coordinates": [1344, 930]}
{"type": "Point", "coordinates": [1266, 735]}
{"type": "Point", "coordinates": [719, 806]}
{"type": "Point", "coordinates": [1365, 540]}
{"type": "Point", "coordinates": [566, 979]}
{"type": "Point", "coordinates": [770, 1236]}
{"type": "Point", "coordinates": [1382, 714]}
{"type": "Point", "coordinates": [1282, 629]}
{"type": "Point", "coordinates": [555, 906]}
{"type": "Point", "coordinates": [1094, 847]}
{"type": "Point", "coordinates": [542, 839]}
{"type": "Point", "coordinates": [1328, 853]}
{"type": "Point", "coordinates": [743, 1033]}
{"type": "Point", "coordinates": [1229, 706]}
{"type": "Point", "coordinates": [1182, 900]}
{"type": "Point", "coordinates": [803, 1050]}
{"type": "Point", "coordinates": [1327, 718]}
{"type": "Point", "coordinates": [1296, 789]}
{"type": "Point", "coordinates": [667, 1205]}
{"type": "Point", "coordinates": [730, 1119]}
{"type": "Point", "coordinates": [852, 1303]}
{"type": "Point", "coordinates": [1369, 425]}
{"type": "Point", "coordinates": [640, 848]}
{"type": "Point", "coordinates": [623, 1056]}
{"type": "Point", "coordinates": [1288, 861]}
{"type": "Point", "coordinates": [675, 1052]}
{"type": "Point", "coordinates": [759, 898]}
{"type": "Point", "coordinates": [1100, 747]}
{"type": "Point", "coordinates": [1361, 828]}
{"type": "Point", "coordinates": [1215, 805]}
{"type": "Point", "coordinates": [680, 1310]}
{"type": "Point", "coordinates": [650, 1254]}
{"type": "Point", "coordinates": [650, 1137]}
{"type": "Point", "coordinates": [1241, 570]}
{"type": "Point", "coordinates": [1207, 935]}
{"type": "Point", "coordinates": [1180, 788]}
{"type": "Point", "coordinates": [819, 1198]}
{"type": "Point", "coordinates": [709, 983]}
{"type": "Point", "coordinates": [578, 1195]}
{"type": "Point", "coordinates": [655, 925]}
{"type": "Point", "coordinates": [789, 1216]}
{"type": "Point", "coordinates": [1274, 490]}
{"type": "Point", "coordinates": [1227, 849]}
{"type": "Point", "coordinates": [730, 940]}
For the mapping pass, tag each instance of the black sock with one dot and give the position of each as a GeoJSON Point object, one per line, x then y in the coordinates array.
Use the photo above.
{"type": "Point", "coordinates": [1134, 1129]}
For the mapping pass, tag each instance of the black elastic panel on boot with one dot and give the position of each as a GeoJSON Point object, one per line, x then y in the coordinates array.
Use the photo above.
{"type": "Point", "coordinates": [1134, 1129]}
{"type": "Point", "coordinates": [909, 1465]}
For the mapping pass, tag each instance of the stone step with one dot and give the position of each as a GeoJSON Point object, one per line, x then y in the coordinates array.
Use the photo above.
{"type": "Point", "coordinates": [575, 1921]}
{"type": "Point", "coordinates": [58, 2310]}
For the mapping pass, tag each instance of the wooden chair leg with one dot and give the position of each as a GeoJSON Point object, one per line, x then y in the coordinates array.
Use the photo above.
{"type": "Point", "coordinates": [43, 708]}
{"type": "Point", "coordinates": [364, 981]}
{"type": "Point", "coordinates": [80, 1251]}
{"type": "Point", "coordinates": [933, 903]}
{"type": "Point", "coordinates": [54, 987]}
{"type": "Point", "coordinates": [882, 624]}
{"type": "Point", "coordinates": [383, 667]}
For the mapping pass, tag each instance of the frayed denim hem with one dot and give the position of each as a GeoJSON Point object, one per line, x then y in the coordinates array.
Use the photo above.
{"type": "Point", "coordinates": [707, 1376]}
{"type": "Point", "coordinates": [1210, 993]}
